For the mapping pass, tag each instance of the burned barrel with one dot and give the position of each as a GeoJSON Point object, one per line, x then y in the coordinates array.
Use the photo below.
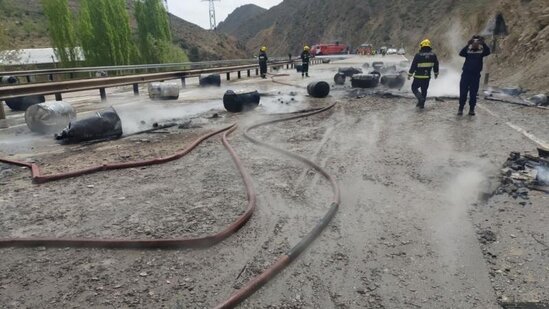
{"type": "Point", "coordinates": [164, 91]}
{"type": "Point", "coordinates": [350, 71]}
{"type": "Point", "coordinates": [210, 80]}
{"type": "Point", "coordinates": [325, 60]}
{"type": "Point", "coordinates": [49, 117]}
{"type": "Point", "coordinates": [394, 81]}
{"type": "Point", "coordinates": [339, 79]}
{"type": "Point", "coordinates": [318, 89]}
{"type": "Point", "coordinates": [299, 68]}
{"type": "Point", "coordinates": [365, 80]}
{"type": "Point", "coordinates": [22, 103]}
{"type": "Point", "coordinates": [240, 102]}
{"type": "Point", "coordinates": [378, 65]}
{"type": "Point", "coordinates": [103, 125]}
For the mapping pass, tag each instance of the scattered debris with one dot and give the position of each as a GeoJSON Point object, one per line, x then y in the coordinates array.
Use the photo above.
{"type": "Point", "coordinates": [523, 173]}
{"type": "Point", "coordinates": [539, 100]}
{"type": "Point", "coordinates": [487, 236]}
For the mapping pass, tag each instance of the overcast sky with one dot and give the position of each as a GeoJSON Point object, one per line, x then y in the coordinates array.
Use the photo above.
{"type": "Point", "coordinates": [196, 11]}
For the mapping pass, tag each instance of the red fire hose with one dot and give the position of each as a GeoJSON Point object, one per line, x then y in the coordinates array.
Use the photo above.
{"type": "Point", "coordinates": [200, 242]}
{"type": "Point", "coordinates": [256, 283]}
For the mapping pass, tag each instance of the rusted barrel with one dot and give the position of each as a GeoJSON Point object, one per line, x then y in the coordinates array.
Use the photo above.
{"type": "Point", "coordinates": [318, 89]}
{"type": "Point", "coordinates": [240, 102]}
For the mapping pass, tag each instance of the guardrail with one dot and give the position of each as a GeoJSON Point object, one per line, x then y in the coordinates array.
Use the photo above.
{"type": "Point", "coordinates": [58, 88]}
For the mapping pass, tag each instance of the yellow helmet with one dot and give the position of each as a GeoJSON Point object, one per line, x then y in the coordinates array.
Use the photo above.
{"type": "Point", "coordinates": [306, 47]}
{"type": "Point", "coordinates": [263, 48]}
{"type": "Point", "coordinates": [425, 43]}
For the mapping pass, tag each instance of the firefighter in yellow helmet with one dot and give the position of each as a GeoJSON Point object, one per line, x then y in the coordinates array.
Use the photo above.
{"type": "Point", "coordinates": [263, 61]}
{"type": "Point", "coordinates": [305, 59]}
{"type": "Point", "coordinates": [424, 62]}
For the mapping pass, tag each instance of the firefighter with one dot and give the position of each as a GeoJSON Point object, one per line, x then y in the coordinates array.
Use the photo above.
{"type": "Point", "coordinates": [305, 58]}
{"type": "Point", "coordinates": [263, 61]}
{"type": "Point", "coordinates": [423, 63]}
{"type": "Point", "coordinates": [474, 53]}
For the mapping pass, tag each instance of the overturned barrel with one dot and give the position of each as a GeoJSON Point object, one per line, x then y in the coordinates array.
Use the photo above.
{"type": "Point", "coordinates": [318, 89]}
{"type": "Point", "coordinates": [299, 68]}
{"type": "Point", "coordinates": [103, 125]}
{"type": "Point", "coordinates": [49, 117]}
{"type": "Point", "coordinates": [164, 91]}
{"type": "Point", "coordinates": [366, 65]}
{"type": "Point", "coordinates": [365, 80]}
{"type": "Point", "coordinates": [240, 102]}
{"type": "Point", "coordinates": [378, 65]}
{"type": "Point", "coordinates": [339, 79]}
{"type": "Point", "coordinates": [22, 103]}
{"type": "Point", "coordinates": [326, 60]}
{"type": "Point", "coordinates": [210, 80]}
{"type": "Point", "coordinates": [394, 81]}
{"type": "Point", "coordinates": [8, 80]}
{"type": "Point", "coordinates": [350, 71]}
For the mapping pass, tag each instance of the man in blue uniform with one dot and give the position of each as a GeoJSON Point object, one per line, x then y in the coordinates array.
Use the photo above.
{"type": "Point", "coordinates": [423, 63]}
{"type": "Point", "coordinates": [263, 61]}
{"type": "Point", "coordinates": [474, 53]}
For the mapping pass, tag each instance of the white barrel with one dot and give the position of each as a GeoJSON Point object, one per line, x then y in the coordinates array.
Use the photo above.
{"type": "Point", "coordinates": [164, 91]}
{"type": "Point", "coordinates": [49, 117]}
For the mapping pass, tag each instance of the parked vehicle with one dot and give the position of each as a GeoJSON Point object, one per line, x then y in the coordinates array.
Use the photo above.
{"type": "Point", "coordinates": [328, 49]}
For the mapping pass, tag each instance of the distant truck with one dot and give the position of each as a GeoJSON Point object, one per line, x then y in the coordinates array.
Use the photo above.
{"type": "Point", "coordinates": [329, 49]}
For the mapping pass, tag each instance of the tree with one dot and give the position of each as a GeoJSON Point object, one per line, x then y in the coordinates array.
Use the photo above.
{"type": "Point", "coordinates": [105, 33]}
{"type": "Point", "coordinates": [61, 30]}
{"type": "Point", "coordinates": [153, 33]}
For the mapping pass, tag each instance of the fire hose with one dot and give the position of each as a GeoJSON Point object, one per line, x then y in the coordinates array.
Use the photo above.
{"type": "Point", "coordinates": [201, 242]}
{"type": "Point", "coordinates": [282, 262]}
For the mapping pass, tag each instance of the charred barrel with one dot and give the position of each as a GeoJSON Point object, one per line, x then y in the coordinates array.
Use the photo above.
{"type": "Point", "coordinates": [299, 68]}
{"type": "Point", "coordinates": [318, 89]}
{"type": "Point", "coordinates": [210, 80]}
{"type": "Point", "coordinates": [349, 71]}
{"type": "Point", "coordinates": [394, 81]}
{"type": "Point", "coordinates": [240, 102]}
{"type": "Point", "coordinates": [164, 91]}
{"type": "Point", "coordinates": [378, 65]}
{"type": "Point", "coordinates": [49, 117]}
{"type": "Point", "coordinates": [22, 103]}
{"type": "Point", "coordinates": [339, 78]}
{"type": "Point", "coordinates": [103, 125]}
{"type": "Point", "coordinates": [365, 80]}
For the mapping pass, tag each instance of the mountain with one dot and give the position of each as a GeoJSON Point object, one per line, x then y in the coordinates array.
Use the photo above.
{"type": "Point", "coordinates": [236, 20]}
{"type": "Point", "coordinates": [288, 26]}
{"type": "Point", "coordinates": [24, 23]}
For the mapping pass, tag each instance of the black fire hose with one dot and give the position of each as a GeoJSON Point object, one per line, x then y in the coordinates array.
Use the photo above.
{"type": "Point", "coordinates": [257, 282]}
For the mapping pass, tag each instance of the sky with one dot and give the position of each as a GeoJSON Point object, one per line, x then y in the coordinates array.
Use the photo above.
{"type": "Point", "coordinates": [196, 11]}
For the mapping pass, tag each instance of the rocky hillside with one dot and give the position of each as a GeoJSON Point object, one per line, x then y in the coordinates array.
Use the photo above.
{"type": "Point", "coordinates": [26, 27]}
{"type": "Point", "coordinates": [448, 23]}
{"type": "Point", "coordinates": [236, 21]}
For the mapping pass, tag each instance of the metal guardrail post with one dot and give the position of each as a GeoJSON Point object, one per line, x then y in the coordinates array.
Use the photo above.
{"type": "Point", "coordinates": [239, 75]}
{"type": "Point", "coordinates": [183, 82]}
{"type": "Point", "coordinates": [103, 94]}
{"type": "Point", "coordinates": [256, 72]}
{"type": "Point", "coordinates": [228, 75]}
{"type": "Point", "coordinates": [3, 120]}
{"type": "Point", "coordinates": [58, 97]}
{"type": "Point", "coordinates": [136, 89]}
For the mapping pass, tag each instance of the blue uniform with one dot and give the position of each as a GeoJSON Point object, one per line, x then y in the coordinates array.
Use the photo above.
{"type": "Point", "coordinates": [263, 63]}
{"type": "Point", "coordinates": [470, 78]}
{"type": "Point", "coordinates": [424, 62]}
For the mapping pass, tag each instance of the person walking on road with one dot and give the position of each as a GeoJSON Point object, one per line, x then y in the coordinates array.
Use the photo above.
{"type": "Point", "coordinates": [474, 54]}
{"type": "Point", "coordinates": [305, 59]}
{"type": "Point", "coordinates": [263, 61]}
{"type": "Point", "coordinates": [424, 61]}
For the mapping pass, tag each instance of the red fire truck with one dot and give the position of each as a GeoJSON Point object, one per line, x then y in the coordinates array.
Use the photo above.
{"type": "Point", "coordinates": [328, 49]}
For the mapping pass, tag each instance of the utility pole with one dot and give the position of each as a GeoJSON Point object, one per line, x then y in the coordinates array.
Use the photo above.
{"type": "Point", "coordinates": [213, 23]}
